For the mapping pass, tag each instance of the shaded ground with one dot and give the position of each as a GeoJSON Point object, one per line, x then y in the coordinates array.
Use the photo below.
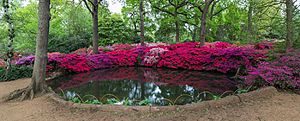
{"type": "Point", "coordinates": [281, 107]}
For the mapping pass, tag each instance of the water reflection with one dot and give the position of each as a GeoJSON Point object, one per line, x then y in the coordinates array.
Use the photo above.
{"type": "Point", "coordinates": [157, 85]}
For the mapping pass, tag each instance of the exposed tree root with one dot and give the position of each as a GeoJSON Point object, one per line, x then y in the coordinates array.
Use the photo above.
{"type": "Point", "coordinates": [24, 94]}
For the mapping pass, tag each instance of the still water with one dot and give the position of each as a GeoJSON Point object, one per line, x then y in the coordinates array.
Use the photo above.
{"type": "Point", "coordinates": [159, 86]}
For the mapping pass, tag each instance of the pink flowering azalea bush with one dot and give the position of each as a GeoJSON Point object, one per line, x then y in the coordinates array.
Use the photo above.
{"type": "Point", "coordinates": [283, 72]}
{"type": "Point", "coordinates": [152, 57]}
{"type": "Point", "coordinates": [218, 56]}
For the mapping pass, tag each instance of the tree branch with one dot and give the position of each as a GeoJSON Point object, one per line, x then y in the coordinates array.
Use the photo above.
{"type": "Point", "coordinates": [88, 7]}
{"type": "Point", "coordinates": [220, 11]}
{"type": "Point", "coordinates": [163, 10]}
{"type": "Point", "coordinates": [91, 3]}
{"type": "Point", "coordinates": [183, 3]}
{"type": "Point", "coordinates": [172, 3]}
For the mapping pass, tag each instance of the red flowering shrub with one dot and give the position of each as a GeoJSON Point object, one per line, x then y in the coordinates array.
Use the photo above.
{"type": "Point", "coordinates": [215, 59]}
{"type": "Point", "coordinates": [74, 62]}
{"type": "Point", "coordinates": [218, 56]}
{"type": "Point", "coordinates": [123, 57]}
{"type": "Point", "coordinates": [219, 45]}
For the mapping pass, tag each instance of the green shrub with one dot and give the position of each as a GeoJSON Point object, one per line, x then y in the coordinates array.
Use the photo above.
{"type": "Point", "coordinates": [16, 72]}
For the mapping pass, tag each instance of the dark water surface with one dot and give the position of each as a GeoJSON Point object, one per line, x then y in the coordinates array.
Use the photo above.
{"type": "Point", "coordinates": [160, 86]}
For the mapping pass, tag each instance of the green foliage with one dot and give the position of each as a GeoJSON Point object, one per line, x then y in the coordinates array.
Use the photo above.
{"type": "Point", "coordinates": [75, 100]}
{"type": "Point", "coordinates": [112, 101]}
{"type": "Point", "coordinates": [94, 101]}
{"type": "Point", "coordinates": [71, 23]}
{"type": "Point", "coordinates": [16, 72]}
{"type": "Point", "coordinates": [145, 102]}
{"type": "Point", "coordinates": [114, 30]}
{"type": "Point", "coordinates": [127, 102]}
{"type": "Point", "coordinates": [242, 90]}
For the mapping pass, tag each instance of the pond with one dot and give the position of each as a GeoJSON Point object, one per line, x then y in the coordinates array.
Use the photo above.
{"type": "Point", "coordinates": [157, 86]}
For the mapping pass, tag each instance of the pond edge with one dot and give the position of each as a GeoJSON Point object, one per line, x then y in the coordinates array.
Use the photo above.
{"type": "Point", "coordinates": [263, 93]}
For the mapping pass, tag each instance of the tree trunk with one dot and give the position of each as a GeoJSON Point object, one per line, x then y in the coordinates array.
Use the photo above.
{"type": "Point", "coordinates": [250, 16]}
{"type": "Point", "coordinates": [194, 34]}
{"type": "Point", "coordinates": [38, 84]}
{"type": "Point", "coordinates": [177, 30]}
{"type": "Point", "coordinates": [203, 22]}
{"type": "Point", "coordinates": [142, 35]}
{"type": "Point", "coordinates": [39, 68]}
{"type": "Point", "coordinates": [289, 24]}
{"type": "Point", "coordinates": [95, 27]}
{"type": "Point", "coordinates": [7, 16]}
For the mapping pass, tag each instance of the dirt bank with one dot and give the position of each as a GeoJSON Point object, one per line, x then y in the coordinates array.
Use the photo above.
{"type": "Point", "coordinates": [282, 107]}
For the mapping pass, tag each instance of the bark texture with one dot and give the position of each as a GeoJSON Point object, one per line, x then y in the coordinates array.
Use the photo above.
{"type": "Point", "coordinates": [289, 24]}
{"type": "Point", "coordinates": [203, 22]}
{"type": "Point", "coordinates": [142, 28]}
{"type": "Point", "coordinates": [250, 17]}
{"type": "Point", "coordinates": [38, 84]}
{"type": "Point", "coordinates": [94, 12]}
{"type": "Point", "coordinates": [95, 27]}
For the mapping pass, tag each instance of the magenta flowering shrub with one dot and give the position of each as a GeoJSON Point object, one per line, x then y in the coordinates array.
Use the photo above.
{"type": "Point", "coordinates": [74, 63]}
{"type": "Point", "coordinates": [219, 45]}
{"type": "Point", "coordinates": [99, 61]}
{"type": "Point", "coordinates": [212, 59]}
{"type": "Point", "coordinates": [123, 57]}
{"type": "Point", "coordinates": [283, 72]}
{"type": "Point", "coordinates": [218, 56]}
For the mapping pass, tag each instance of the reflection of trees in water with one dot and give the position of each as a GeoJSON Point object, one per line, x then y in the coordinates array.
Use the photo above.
{"type": "Point", "coordinates": [154, 84]}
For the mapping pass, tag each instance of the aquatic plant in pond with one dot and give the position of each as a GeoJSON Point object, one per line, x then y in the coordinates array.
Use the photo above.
{"type": "Point", "coordinates": [73, 97]}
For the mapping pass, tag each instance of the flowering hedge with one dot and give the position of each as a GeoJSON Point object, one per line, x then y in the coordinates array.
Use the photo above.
{"type": "Point", "coordinates": [283, 72]}
{"type": "Point", "coordinates": [218, 56]}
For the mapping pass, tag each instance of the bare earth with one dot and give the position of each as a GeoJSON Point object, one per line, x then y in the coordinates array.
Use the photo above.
{"type": "Point", "coordinates": [281, 107]}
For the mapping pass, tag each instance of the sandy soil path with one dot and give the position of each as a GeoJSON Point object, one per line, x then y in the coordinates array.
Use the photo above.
{"type": "Point", "coordinates": [281, 107]}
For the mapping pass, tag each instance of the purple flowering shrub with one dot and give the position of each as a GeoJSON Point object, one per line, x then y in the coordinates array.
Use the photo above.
{"type": "Point", "coordinates": [283, 72]}
{"type": "Point", "coordinates": [27, 60]}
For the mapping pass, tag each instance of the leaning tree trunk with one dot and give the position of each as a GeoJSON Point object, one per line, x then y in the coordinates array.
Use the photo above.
{"type": "Point", "coordinates": [38, 85]}
{"type": "Point", "coordinates": [203, 22]}
{"type": "Point", "coordinates": [7, 16]}
{"type": "Point", "coordinates": [95, 27]}
{"type": "Point", "coordinates": [289, 24]}
{"type": "Point", "coordinates": [142, 28]}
